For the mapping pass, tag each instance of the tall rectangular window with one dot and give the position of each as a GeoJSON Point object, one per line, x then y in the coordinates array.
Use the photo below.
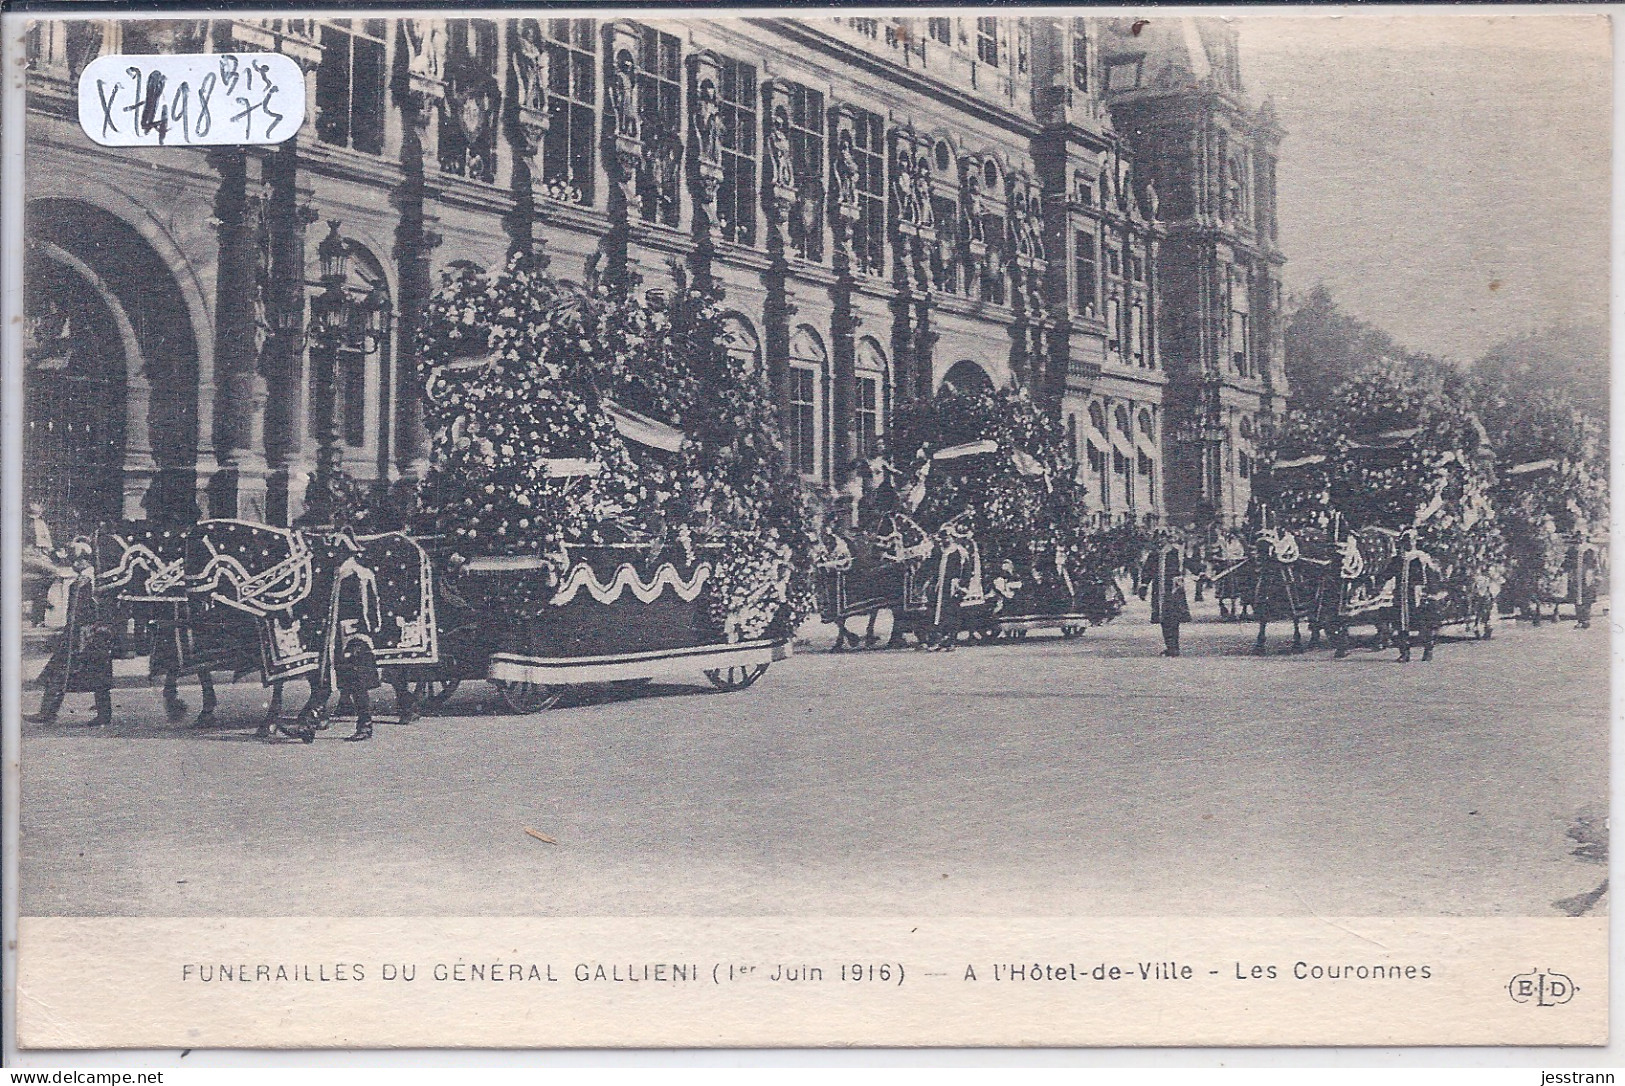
{"type": "Point", "coordinates": [866, 416]}
{"type": "Point", "coordinates": [940, 30]}
{"type": "Point", "coordinates": [1114, 320]}
{"type": "Point", "coordinates": [567, 150]}
{"type": "Point", "coordinates": [807, 152]}
{"type": "Point", "coordinates": [1136, 333]}
{"type": "Point", "coordinates": [1080, 53]}
{"type": "Point", "coordinates": [1087, 272]}
{"type": "Point", "coordinates": [736, 197]}
{"type": "Point", "coordinates": [803, 428]}
{"type": "Point", "coordinates": [869, 232]}
{"type": "Point", "coordinates": [987, 41]}
{"type": "Point", "coordinates": [660, 95]}
{"type": "Point", "coordinates": [350, 85]}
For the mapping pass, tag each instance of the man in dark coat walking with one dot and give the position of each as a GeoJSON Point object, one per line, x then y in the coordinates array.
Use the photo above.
{"type": "Point", "coordinates": [1164, 572]}
{"type": "Point", "coordinates": [82, 662]}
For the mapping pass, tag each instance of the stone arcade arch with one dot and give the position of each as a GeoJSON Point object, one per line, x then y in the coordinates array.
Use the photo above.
{"type": "Point", "coordinates": [111, 374]}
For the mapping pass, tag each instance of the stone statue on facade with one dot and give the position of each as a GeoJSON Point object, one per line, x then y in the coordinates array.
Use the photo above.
{"type": "Point", "coordinates": [974, 227]}
{"type": "Point", "coordinates": [924, 213]}
{"type": "Point", "coordinates": [1019, 224]}
{"type": "Point", "coordinates": [1150, 202]}
{"type": "Point", "coordinates": [846, 171]}
{"type": "Point", "coordinates": [426, 47]}
{"type": "Point", "coordinates": [903, 190]}
{"type": "Point", "coordinates": [530, 67]}
{"type": "Point", "coordinates": [707, 122]}
{"type": "Point", "coordinates": [780, 159]}
{"type": "Point", "coordinates": [623, 95]}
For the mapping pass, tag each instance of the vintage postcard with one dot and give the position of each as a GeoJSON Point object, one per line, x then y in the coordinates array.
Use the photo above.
{"type": "Point", "coordinates": [960, 527]}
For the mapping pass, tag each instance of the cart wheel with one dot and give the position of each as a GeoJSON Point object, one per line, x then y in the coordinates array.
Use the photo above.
{"type": "Point", "coordinates": [434, 693]}
{"type": "Point", "coordinates": [738, 677]}
{"type": "Point", "coordinates": [528, 697]}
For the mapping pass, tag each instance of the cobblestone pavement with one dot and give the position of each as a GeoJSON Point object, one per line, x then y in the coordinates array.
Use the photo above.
{"type": "Point", "coordinates": [1039, 777]}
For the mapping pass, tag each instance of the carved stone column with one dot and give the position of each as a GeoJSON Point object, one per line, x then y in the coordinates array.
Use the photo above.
{"type": "Point", "coordinates": [241, 285]}
{"type": "Point", "coordinates": [415, 237]}
{"type": "Point", "coordinates": [704, 158]}
{"type": "Point", "coordinates": [778, 204]}
{"type": "Point", "coordinates": [622, 146]}
{"type": "Point", "coordinates": [529, 69]}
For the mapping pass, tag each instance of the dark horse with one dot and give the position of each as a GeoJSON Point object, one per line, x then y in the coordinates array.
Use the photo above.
{"type": "Point", "coordinates": [269, 595]}
{"type": "Point", "coordinates": [881, 571]}
{"type": "Point", "coordinates": [142, 566]}
{"type": "Point", "coordinates": [1281, 584]}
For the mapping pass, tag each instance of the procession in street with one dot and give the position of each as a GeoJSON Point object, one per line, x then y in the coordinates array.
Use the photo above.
{"type": "Point", "coordinates": [639, 465]}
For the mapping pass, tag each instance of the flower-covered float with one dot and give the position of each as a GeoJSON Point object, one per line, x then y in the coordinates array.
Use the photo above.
{"type": "Point", "coordinates": [989, 525]}
{"type": "Point", "coordinates": [1389, 490]}
{"type": "Point", "coordinates": [606, 497]}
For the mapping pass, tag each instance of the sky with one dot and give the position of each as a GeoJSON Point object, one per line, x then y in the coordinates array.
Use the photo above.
{"type": "Point", "coordinates": [1447, 177]}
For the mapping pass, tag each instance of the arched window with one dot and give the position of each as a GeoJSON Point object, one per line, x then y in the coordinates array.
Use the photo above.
{"type": "Point", "coordinates": [1147, 426]}
{"type": "Point", "coordinates": [871, 395]}
{"type": "Point", "coordinates": [967, 376]}
{"type": "Point", "coordinates": [1097, 417]}
{"type": "Point", "coordinates": [804, 411]}
{"type": "Point", "coordinates": [1120, 417]}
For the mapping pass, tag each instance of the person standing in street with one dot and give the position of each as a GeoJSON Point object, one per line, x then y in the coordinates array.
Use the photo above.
{"type": "Point", "coordinates": [1587, 576]}
{"type": "Point", "coordinates": [40, 570]}
{"type": "Point", "coordinates": [82, 662]}
{"type": "Point", "coordinates": [1164, 573]}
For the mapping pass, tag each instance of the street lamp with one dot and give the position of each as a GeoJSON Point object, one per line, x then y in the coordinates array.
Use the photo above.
{"type": "Point", "coordinates": [330, 321]}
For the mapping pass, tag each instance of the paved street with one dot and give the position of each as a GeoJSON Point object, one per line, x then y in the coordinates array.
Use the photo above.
{"type": "Point", "coordinates": [1037, 777]}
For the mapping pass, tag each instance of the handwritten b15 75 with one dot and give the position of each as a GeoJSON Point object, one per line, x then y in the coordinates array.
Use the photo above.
{"type": "Point", "coordinates": [191, 100]}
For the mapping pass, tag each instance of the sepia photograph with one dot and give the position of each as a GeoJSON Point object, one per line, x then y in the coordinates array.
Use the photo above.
{"type": "Point", "coordinates": [1141, 475]}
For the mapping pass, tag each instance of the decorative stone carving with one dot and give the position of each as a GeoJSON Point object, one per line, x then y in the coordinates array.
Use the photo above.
{"type": "Point", "coordinates": [705, 140]}
{"type": "Point", "coordinates": [623, 128]}
{"type": "Point", "coordinates": [471, 106]}
{"type": "Point", "coordinates": [623, 95]}
{"type": "Point", "coordinates": [846, 170]}
{"type": "Point", "coordinates": [925, 211]}
{"type": "Point", "coordinates": [905, 195]}
{"type": "Point", "coordinates": [975, 207]}
{"type": "Point", "coordinates": [780, 158]}
{"type": "Point", "coordinates": [530, 67]}
{"type": "Point", "coordinates": [530, 63]}
{"type": "Point", "coordinates": [426, 49]}
{"type": "Point", "coordinates": [706, 122]}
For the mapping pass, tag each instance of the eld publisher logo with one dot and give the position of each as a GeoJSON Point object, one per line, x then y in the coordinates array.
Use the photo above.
{"type": "Point", "coordinates": [1543, 989]}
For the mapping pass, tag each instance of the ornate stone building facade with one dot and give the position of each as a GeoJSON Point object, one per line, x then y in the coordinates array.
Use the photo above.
{"type": "Point", "coordinates": [890, 204]}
